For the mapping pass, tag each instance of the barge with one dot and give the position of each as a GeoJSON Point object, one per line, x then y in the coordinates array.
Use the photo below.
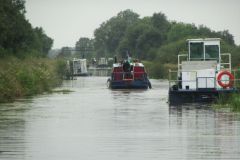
{"type": "Point", "coordinates": [128, 75]}
{"type": "Point", "coordinates": [79, 67]}
{"type": "Point", "coordinates": [203, 75]}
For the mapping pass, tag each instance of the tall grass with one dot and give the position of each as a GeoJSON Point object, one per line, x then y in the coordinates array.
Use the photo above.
{"type": "Point", "coordinates": [30, 76]}
{"type": "Point", "coordinates": [232, 102]}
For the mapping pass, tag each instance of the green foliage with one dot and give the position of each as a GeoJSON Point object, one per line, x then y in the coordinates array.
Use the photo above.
{"type": "Point", "coordinates": [232, 102]}
{"type": "Point", "coordinates": [235, 56]}
{"type": "Point", "coordinates": [155, 70]}
{"type": "Point", "coordinates": [27, 77]}
{"type": "Point", "coordinates": [61, 69]}
{"type": "Point", "coordinates": [160, 22]}
{"type": "Point", "coordinates": [235, 103]}
{"type": "Point", "coordinates": [154, 39]}
{"type": "Point", "coordinates": [158, 70]}
{"type": "Point", "coordinates": [17, 36]}
{"type": "Point", "coordinates": [42, 42]}
{"type": "Point", "coordinates": [130, 41]}
{"type": "Point", "coordinates": [147, 34]}
{"type": "Point", "coordinates": [179, 31]}
{"type": "Point", "coordinates": [65, 53]}
{"type": "Point", "coordinates": [110, 33]}
{"type": "Point", "coordinates": [142, 38]}
{"type": "Point", "coordinates": [85, 48]}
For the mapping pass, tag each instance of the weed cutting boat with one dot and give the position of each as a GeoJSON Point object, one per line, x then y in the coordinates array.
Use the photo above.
{"type": "Point", "coordinates": [203, 75]}
{"type": "Point", "coordinates": [128, 75]}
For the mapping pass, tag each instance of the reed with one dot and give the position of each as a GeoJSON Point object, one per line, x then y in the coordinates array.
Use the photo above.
{"type": "Point", "coordinates": [26, 77]}
{"type": "Point", "coordinates": [232, 102]}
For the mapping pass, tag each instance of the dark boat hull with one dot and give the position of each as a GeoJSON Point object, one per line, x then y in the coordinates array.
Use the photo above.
{"type": "Point", "coordinates": [136, 84]}
{"type": "Point", "coordinates": [179, 97]}
{"type": "Point", "coordinates": [82, 74]}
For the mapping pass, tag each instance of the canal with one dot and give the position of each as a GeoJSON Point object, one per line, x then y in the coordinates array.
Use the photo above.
{"type": "Point", "coordinates": [95, 123]}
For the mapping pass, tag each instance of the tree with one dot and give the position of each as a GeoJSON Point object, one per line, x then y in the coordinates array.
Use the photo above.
{"type": "Point", "coordinates": [153, 38]}
{"type": "Point", "coordinates": [130, 41]}
{"type": "Point", "coordinates": [227, 37]}
{"type": "Point", "coordinates": [17, 36]}
{"type": "Point", "coordinates": [44, 43]}
{"type": "Point", "coordinates": [13, 26]}
{"type": "Point", "coordinates": [110, 33]}
{"type": "Point", "coordinates": [85, 48]}
{"type": "Point", "coordinates": [160, 22]}
{"type": "Point", "coordinates": [181, 31]}
{"type": "Point", "coordinates": [65, 52]}
{"type": "Point", "coordinates": [142, 37]}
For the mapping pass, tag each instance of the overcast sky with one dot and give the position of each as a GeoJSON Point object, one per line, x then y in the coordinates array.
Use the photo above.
{"type": "Point", "coordinates": [68, 20]}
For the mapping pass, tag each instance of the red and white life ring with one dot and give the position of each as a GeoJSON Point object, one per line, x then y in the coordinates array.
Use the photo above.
{"type": "Point", "coordinates": [229, 83]}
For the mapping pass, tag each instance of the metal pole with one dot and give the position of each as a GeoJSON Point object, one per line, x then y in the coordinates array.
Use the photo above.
{"type": "Point", "coordinates": [169, 78]}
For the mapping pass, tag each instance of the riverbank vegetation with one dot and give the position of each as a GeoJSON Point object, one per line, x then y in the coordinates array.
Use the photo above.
{"type": "Point", "coordinates": [232, 102]}
{"type": "Point", "coordinates": [153, 39]}
{"type": "Point", "coordinates": [24, 68]}
{"type": "Point", "coordinates": [26, 77]}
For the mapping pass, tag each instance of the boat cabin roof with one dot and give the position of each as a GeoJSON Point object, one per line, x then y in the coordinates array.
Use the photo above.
{"type": "Point", "coordinates": [132, 64]}
{"type": "Point", "coordinates": [78, 60]}
{"type": "Point", "coordinates": [204, 49]}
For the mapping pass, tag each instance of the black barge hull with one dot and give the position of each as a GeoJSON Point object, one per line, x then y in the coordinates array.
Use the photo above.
{"type": "Point", "coordinates": [179, 97]}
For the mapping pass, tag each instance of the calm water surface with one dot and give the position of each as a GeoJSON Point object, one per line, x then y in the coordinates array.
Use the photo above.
{"type": "Point", "coordinates": [95, 123]}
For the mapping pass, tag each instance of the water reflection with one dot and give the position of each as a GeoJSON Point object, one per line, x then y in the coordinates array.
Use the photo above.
{"type": "Point", "coordinates": [12, 130]}
{"type": "Point", "coordinates": [100, 71]}
{"type": "Point", "coordinates": [94, 123]}
{"type": "Point", "coordinates": [205, 134]}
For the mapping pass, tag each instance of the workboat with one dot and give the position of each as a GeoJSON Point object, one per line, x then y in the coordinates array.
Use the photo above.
{"type": "Point", "coordinates": [128, 75]}
{"type": "Point", "coordinates": [203, 75]}
{"type": "Point", "coordinates": [79, 67]}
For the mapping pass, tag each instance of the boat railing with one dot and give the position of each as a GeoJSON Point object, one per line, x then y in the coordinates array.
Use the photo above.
{"type": "Point", "coordinates": [181, 57]}
{"type": "Point", "coordinates": [226, 61]}
{"type": "Point", "coordinates": [174, 79]}
{"type": "Point", "coordinates": [128, 75]}
{"type": "Point", "coordinates": [236, 74]}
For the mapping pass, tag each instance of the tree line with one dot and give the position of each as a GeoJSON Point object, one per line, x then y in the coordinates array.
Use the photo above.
{"type": "Point", "coordinates": [154, 38]}
{"type": "Point", "coordinates": [17, 36]}
{"type": "Point", "coordinates": [24, 68]}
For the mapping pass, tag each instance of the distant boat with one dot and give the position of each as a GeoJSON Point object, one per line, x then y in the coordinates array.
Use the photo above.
{"type": "Point", "coordinates": [79, 67]}
{"type": "Point", "coordinates": [102, 62]}
{"type": "Point", "coordinates": [128, 75]}
{"type": "Point", "coordinates": [203, 75]}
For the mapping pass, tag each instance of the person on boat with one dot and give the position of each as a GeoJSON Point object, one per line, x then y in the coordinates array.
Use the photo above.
{"type": "Point", "coordinates": [126, 66]}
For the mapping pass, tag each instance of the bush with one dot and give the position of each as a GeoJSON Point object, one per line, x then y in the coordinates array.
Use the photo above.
{"type": "Point", "coordinates": [159, 70]}
{"type": "Point", "coordinates": [27, 77]}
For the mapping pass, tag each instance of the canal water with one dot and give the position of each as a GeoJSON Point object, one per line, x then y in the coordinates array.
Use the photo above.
{"type": "Point", "coordinates": [95, 123]}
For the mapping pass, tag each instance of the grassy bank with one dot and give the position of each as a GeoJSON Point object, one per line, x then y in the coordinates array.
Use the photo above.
{"type": "Point", "coordinates": [26, 77]}
{"type": "Point", "coordinates": [232, 102]}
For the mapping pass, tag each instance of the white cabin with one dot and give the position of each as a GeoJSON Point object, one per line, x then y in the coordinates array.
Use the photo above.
{"type": "Point", "coordinates": [202, 65]}
{"type": "Point", "coordinates": [79, 66]}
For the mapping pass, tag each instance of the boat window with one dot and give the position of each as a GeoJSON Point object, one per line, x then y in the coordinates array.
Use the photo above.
{"type": "Point", "coordinates": [196, 50]}
{"type": "Point", "coordinates": [211, 51]}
